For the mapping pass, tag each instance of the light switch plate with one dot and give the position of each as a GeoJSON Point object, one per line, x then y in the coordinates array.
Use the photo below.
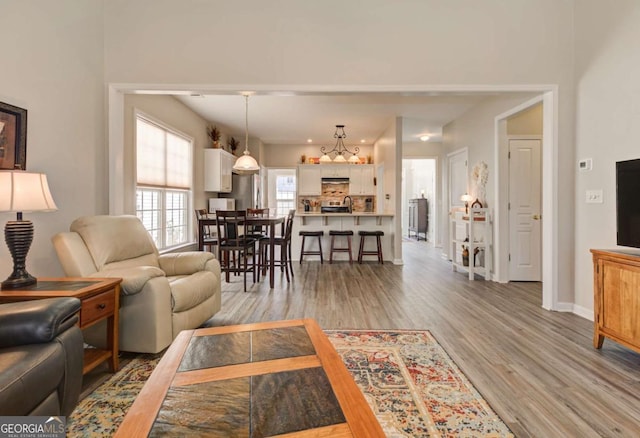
{"type": "Point", "coordinates": [594, 197]}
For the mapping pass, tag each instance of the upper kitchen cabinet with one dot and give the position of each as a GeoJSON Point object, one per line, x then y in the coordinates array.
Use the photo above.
{"type": "Point", "coordinates": [361, 179]}
{"type": "Point", "coordinates": [335, 171]}
{"type": "Point", "coordinates": [218, 165]}
{"type": "Point", "coordinates": [309, 178]}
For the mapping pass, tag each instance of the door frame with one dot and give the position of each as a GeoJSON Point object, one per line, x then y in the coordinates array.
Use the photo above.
{"type": "Point", "coordinates": [549, 192]}
{"type": "Point", "coordinates": [550, 251]}
{"type": "Point", "coordinates": [446, 211]}
{"type": "Point", "coordinates": [434, 211]}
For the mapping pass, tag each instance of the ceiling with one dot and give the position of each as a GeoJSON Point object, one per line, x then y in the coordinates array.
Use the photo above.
{"type": "Point", "coordinates": [293, 118]}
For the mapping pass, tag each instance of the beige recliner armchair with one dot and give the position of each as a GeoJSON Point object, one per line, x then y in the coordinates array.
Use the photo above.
{"type": "Point", "coordinates": [161, 294]}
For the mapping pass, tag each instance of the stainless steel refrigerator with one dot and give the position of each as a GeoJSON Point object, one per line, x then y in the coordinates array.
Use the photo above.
{"type": "Point", "coordinates": [245, 189]}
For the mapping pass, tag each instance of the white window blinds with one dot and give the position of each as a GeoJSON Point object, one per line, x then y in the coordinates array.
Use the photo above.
{"type": "Point", "coordinates": [163, 158]}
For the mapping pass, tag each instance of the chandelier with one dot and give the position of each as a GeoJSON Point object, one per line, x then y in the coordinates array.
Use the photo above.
{"type": "Point", "coordinates": [340, 149]}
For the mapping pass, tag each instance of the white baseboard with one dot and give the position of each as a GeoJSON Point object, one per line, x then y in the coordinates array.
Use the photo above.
{"type": "Point", "coordinates": [583, 311]}
{"type": "Point", "coordinates": [574, 308]}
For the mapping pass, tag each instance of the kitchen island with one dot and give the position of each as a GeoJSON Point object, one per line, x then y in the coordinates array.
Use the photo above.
{"type": "Point", "coordinates": [356, 221]}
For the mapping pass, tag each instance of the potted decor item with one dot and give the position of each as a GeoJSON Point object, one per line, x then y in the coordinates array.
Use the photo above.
{"type": "Point", "coordinates": [465, 256]}
{"type": "Point", "coordinates": [214, 134]}
{"type": "Point", "coordinates": [233, 145]}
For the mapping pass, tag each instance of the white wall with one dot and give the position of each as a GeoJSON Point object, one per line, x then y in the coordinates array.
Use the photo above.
{"type": "Point", "coordinates": [435, 42]}
{"type": "Point", "coordinates": [607, 123]}
{"type": "Point", "coordinates": [60, 75]}
{"type": "Point", "coordinates": [527, 122]}
{"type": "Point", "coordinates": [52, 66]}
{"type": "Point", "coordinates": [388, 152]}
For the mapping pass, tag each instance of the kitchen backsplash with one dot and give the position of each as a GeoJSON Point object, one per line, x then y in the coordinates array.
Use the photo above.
{"type": "Point", "coordinates": [335, 192]}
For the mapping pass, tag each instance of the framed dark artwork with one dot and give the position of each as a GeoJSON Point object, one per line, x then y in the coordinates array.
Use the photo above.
{"type": "Point", "coordinates": [13, 137]}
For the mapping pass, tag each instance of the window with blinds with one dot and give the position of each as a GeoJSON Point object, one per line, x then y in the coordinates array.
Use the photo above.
{"type": "Point", "coordinates": [164, 182]}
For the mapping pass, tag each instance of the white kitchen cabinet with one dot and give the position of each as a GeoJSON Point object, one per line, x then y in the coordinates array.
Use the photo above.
{"type": "Point", "coordinates": [335, 171]}
{"type": "Point", "coordinates": [218, 165]}
{"type": "Point", "coordinates": [309, 178]}
{"type": "Point", "coordinates": [361, 179]}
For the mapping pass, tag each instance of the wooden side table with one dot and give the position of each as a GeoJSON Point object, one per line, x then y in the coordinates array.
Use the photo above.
{"type": "Point", "coordinates": [100, 299]}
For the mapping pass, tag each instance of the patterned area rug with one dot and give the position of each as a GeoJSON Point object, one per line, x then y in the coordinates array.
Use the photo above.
{"type": "Point", "coordinates": [414, 387]}
{"type": "Point", "coordinates": [410, 382]}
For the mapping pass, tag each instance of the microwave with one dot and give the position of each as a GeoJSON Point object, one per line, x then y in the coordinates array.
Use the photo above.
{"type": "Point", "coordinates": [221, 204]}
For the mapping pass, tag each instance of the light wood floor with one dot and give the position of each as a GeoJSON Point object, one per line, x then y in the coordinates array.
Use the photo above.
{"type": "Point", "coordinates": [537, 369]}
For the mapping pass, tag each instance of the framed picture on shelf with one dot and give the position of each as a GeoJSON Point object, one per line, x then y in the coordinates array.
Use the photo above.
{"type": "Point", "coordinates": [13, 137]}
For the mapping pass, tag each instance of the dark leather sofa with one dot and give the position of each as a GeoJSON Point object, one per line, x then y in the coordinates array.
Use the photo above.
{"type": "Point", "coordinates": [41, 353]}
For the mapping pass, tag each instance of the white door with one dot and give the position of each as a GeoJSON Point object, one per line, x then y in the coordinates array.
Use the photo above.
{"type": "Point", "coordinates": [525, 214]}
{"type": "Point", "coordinates": [458, 174]}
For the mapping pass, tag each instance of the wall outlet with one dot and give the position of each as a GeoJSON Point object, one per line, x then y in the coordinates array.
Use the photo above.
{"type": "Point", "coordinates": [594, 197]}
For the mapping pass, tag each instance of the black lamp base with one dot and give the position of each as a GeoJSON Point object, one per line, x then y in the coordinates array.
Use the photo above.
{"type": "Point", "coordinates": [18, 235]}
{"type": "Point", "coordinates": [23, 280]}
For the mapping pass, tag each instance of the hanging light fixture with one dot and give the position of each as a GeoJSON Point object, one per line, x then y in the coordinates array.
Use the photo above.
{"type": "Point", "coordinates": [246, 164]}
{"type": "Point", "coordinates": [340, 149]}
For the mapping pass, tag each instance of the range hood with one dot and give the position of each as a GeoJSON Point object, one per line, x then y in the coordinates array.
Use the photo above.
{"type": "Point", "coordinates": [338, 180]}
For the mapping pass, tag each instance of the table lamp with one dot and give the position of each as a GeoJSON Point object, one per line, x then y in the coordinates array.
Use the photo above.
{"type": "Point", "coordinates": [466, 198]}
{"type": "Point", "coordinates": [20, 192]}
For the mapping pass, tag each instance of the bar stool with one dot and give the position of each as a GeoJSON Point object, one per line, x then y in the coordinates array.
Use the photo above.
{"type": "Point", "coordinates": [306, 234]}
{"type": "Point", "coordinates": [362, 252]}
{"type": "Point", "coordinates": [333, 234]}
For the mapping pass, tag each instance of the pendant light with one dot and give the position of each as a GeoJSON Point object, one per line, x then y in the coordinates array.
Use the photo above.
{"type": "Point", "coordinates": [246, 164]}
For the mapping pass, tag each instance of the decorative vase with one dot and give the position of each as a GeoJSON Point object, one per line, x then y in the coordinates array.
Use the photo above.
{"type": "Point", "coordinates": [216, 145]}
{"type": "Point", "coordinates": [465, 257]}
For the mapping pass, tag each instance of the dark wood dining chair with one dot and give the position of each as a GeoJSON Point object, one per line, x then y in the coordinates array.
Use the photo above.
{"type": "Point", "coordinates": [256, 231]}
{"type": "Point", "coordinates": [207, 237]}
{"type": "Point", "coordinates": [284, 242]}
{"type": "Point", "coordinates": [235, 248]}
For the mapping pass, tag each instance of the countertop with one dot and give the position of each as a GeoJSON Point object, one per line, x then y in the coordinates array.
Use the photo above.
{"type": "Point", "coordinates": [354, 214]}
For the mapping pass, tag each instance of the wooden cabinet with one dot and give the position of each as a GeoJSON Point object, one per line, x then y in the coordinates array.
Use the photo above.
{"type": "Point", "coordinates": [335, 171]}
{"type": "Point", "coordinates": [616, 301]}
{"type": "Point", "coordinates": [99, 300]}
{"type": "Point", "coordinates": [361, 180]}
{"type": "Point", "coordinates": [471, 230]}
{"type": "Point", "coordinates": [418, 217]}
{"type": "Point", "coordinates": [309, 180]}
{"type": "Point", "coordinates": [218, 165]}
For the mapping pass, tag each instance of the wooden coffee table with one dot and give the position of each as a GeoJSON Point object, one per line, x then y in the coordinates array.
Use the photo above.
{"type": "Point", "coordinates": [252, 380]}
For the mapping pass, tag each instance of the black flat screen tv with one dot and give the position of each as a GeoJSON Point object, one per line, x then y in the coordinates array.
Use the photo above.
{"type": "Point", "coordinates": [628, 203]}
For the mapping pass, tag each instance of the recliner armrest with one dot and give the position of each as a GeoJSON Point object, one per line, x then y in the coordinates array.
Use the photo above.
{"type": "Point", "coordinates": [184, 263]}
{"type": "Point", "coordinates": [36, 321]}
{"type": "Point", "coordinates": [133, 278]}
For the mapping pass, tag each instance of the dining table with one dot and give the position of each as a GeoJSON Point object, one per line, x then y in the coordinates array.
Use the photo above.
{"type": "Point", "coordinates": [270, 222]}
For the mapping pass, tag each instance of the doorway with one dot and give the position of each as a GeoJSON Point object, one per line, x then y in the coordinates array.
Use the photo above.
{"type": "Point", "coordinates": [419, 176]}
{"type": "Point", "coordinates": [522, 243]}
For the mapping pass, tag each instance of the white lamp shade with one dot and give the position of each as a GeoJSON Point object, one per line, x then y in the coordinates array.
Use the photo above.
{"type": "Point", "coordinates": [246, 163]}
{"type": "Point", "coordinates": [353, 159]}
{"type": "Point", "coordinates": [325, 159]}
{"type": "Point", "coordinates": [466, 198]}
{"type": "Point", "coordinates": [339, 159]}
{"type": "Point", "coordinates": [25, 191]}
